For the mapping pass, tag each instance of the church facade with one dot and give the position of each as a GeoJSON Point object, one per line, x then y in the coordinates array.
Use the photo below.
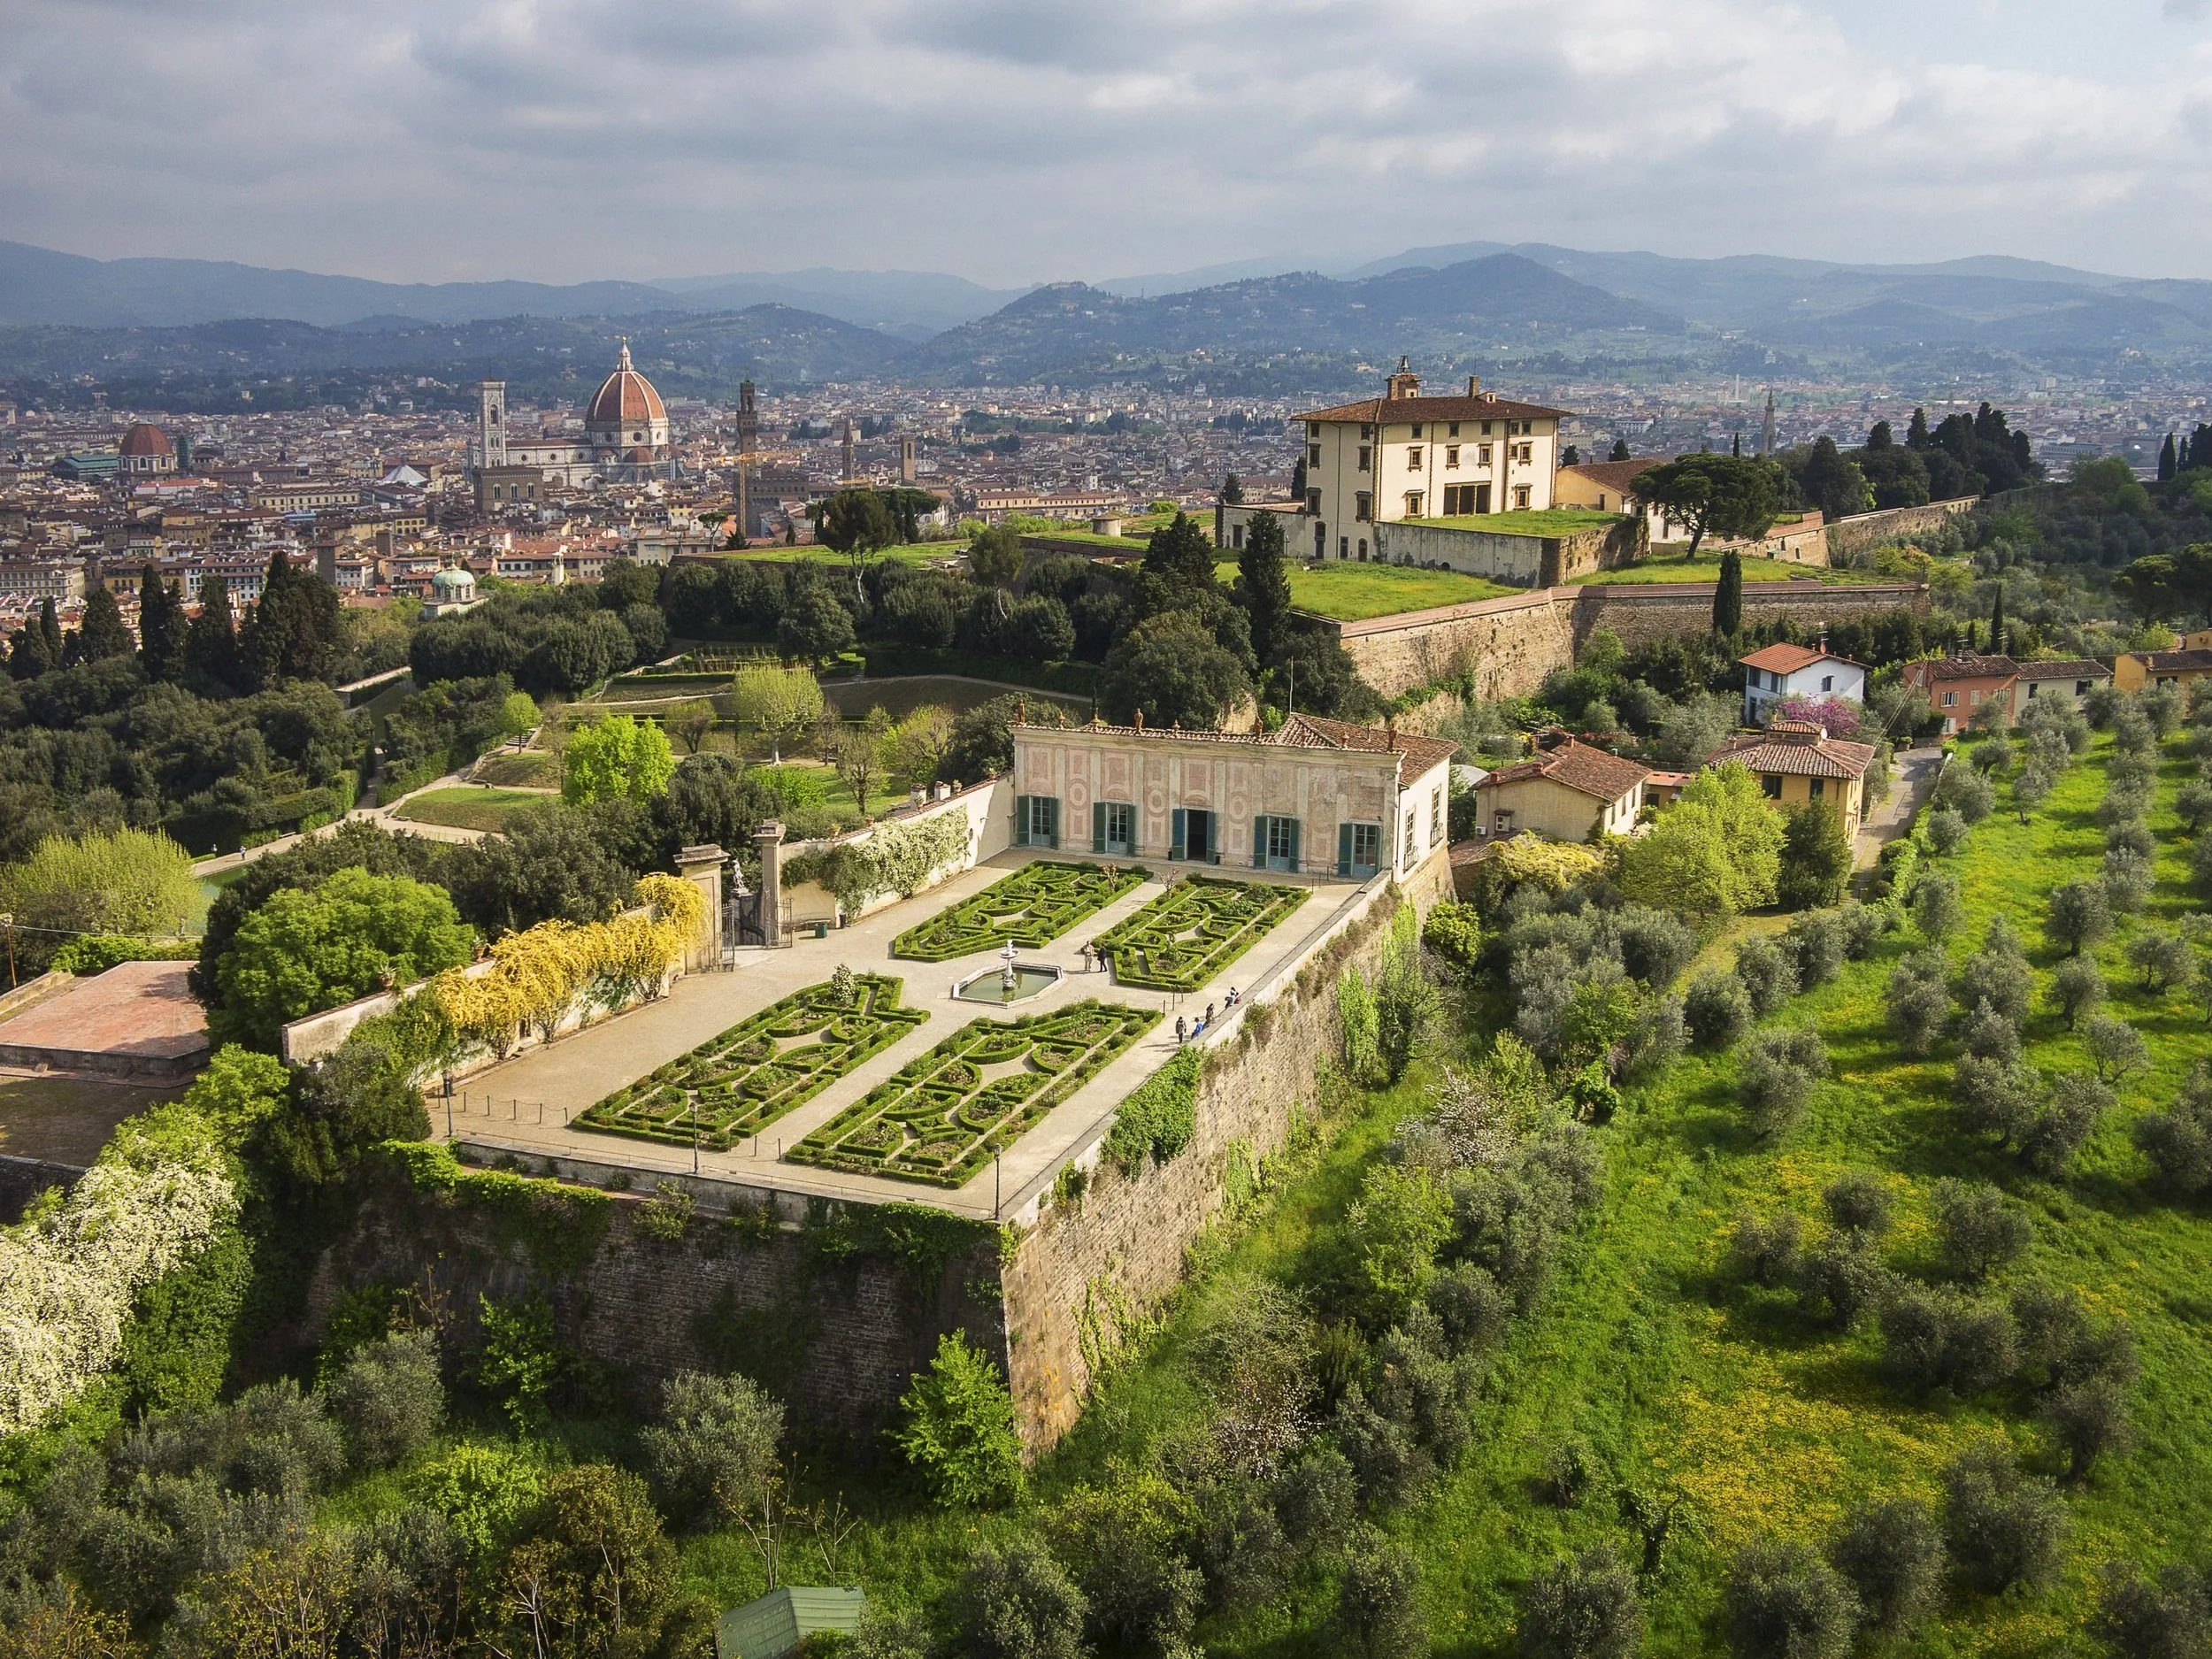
{"type": "Point", "coordinates": [626, 438]}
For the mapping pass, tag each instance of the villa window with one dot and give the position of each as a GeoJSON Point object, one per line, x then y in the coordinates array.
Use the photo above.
{"type": "Point", "coordinates": [1037, 821]}
{"type": "Point", "coordinates": [1416, 429]}
{"type": "Point", "coordinates": [1520, 498]}
{"type": "Point", "coordinates": [1413, 459]}
{"type": "Point", "coordinates": [1358, 849]}
{"type": "Point", "coordinates": [1412, 840]}
{"type": "Point", "coordinates": [1482, 455]}
{"type": "Point", "coordinates": [1817, 788]}
{"type": "Point", "coordinates": [1451, 456]}
{"type": "Point", "coordinates": [1366, 457]}
{"type": "Point", "coordinates": [1313, 502]}
{"type": "Point", "coordinates": [1363, 507]}
{"type": "Point", "coordinates": [1413, 503]}
{"type": "Point", "coordinates": [1454, 431]}
{"type": "Point", "coordinates": [1771, 786]}
{"type": "Point", "coordinates": [1113, 828]}
{"type": "Point", "coordinates": [1362, 549]}
{"type": "Point", "coordinates": [1313, 455]}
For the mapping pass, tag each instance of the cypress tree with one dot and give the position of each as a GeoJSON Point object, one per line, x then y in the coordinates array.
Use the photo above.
{"type": "Point", "coordinates": [104, 634]}
{"type": "Point", "coordinates": [160, 627]}
{"type": "Point", "coordinates": [29, 658]}
{"type": "Point", "coordinates": [1997, 624]}
{"type": "Point", "coordinates": [1620, 451]}
{"type": "Point", "coordinates": [2201, 446]}
{"type": "Point", "coordinates": [50, 625]}
{"type": "Point", "coordinates": [2182, 463]}
{"type": "Point", "coordinates": [1916, 433]}
{"type": "Point", "coordinates": [1728, 597]}
{"type": "Point", "coordinates": [1265, 586]}
{"type": "Point", "coordinates": [1735, 446]}
{"type": "Point", "coordinates": [2167, 464]}
{"type": "Point", "coordinates": [211, 644]}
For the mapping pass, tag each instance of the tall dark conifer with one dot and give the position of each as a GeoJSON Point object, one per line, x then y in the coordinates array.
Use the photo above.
{"type": "Point", "coordinates": [50, 625]}
{"type": "Point", "coordinates": [1997, 624]}
{"type": "Point", "coordinates": [1728, 597]}
{"type": "Point", "coordinates": [160, 627]}
{"type": "Point", "coordinates": [103, 631]}
{"type": "Point", "coordinates": [1265, 586]}
{"type": "Point", "coordinates": [211, 644]}
{"type": "Point", "coordinates": [2167, 464]}
{"type": "Point", "coordinates": [1916, 433]}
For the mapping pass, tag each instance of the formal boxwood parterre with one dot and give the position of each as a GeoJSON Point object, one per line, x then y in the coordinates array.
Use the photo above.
{"type": "Point", "coordinates": [750, 1075]}
{"type": "Point", "coordinates": [941, 1117]}
{"type": "Point", "coordinates": [1194, 930]}
{"type": "Point", "coordinates": [1033, 906]}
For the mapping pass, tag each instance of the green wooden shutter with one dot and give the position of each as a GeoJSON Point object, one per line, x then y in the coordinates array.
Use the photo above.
{"type": "Point", "coordinates": [1052, 822]}
{"type": "Point", "coordinates": [1259, 843]}
{"type": "Point", "coordinates": [1179, 832]}
{"type": "Point", "coordinates": [1098, 827]}
{"type": "Point", "coordinates": [1344, 849]}
{"type": "Point", "coordinates": [1293, 846]}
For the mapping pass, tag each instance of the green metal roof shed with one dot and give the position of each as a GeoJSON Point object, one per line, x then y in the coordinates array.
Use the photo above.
{"type": "Point", "coordinates": [772, 1626]}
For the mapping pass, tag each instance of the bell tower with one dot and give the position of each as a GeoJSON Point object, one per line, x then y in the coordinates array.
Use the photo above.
{"type": "Point", "coordinates": [491, 422]}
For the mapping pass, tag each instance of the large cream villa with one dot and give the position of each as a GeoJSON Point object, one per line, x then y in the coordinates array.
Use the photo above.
{"type": "Point", "coordinates": [1315, 795]}
{"type": "Point", "coordinates": [1404, 455]}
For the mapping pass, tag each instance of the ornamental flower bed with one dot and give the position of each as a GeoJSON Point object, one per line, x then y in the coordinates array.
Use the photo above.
{"type": "Point", "coordinates": [1033, 907]}
{"type": "Point", "coordinates": [742, 1081]}
{"type": "Point", "coordinates": [1194, 930]}
{"type": "Point", "coordinates": [943, 1116]}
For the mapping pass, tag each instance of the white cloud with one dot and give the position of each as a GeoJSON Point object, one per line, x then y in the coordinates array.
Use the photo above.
{"type": "Point", "coordinates": [567, 139]}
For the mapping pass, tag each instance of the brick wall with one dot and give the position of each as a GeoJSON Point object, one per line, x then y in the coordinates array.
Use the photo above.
{"type": "Point", "coordinates": [839, 1341]}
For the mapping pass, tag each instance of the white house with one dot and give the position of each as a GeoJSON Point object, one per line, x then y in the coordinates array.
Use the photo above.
{"type": "Point", "coordinates": [1797, 670]}
{"type": "Point", "coordinates": [1404, 455]}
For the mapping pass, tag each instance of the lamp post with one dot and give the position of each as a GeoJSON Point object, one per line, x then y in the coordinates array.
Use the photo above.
{"type": "Point", "coordinates": [7, 924]}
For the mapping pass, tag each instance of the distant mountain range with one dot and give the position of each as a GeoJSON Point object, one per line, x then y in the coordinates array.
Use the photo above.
{"type": "Point", "coordinates": [1255, 324]}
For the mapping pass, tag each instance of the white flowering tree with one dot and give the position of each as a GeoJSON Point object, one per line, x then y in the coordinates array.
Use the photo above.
{"type": "Point", "coordinates": [160, 1192]}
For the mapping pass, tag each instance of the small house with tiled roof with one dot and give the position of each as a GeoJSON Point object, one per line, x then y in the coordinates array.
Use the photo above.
{"type": "Point", "coordinates": [2131, 671]}
{"type": "Point", "coordinates": [1776, 671]}
{"type": "Point", "coordinates": [2071, 677]}
{"type": "Point", "coordinates": [1567, 789]}
{"type": "Point", "coordinates": [1959, 684]}
{"type": "Point", "coordinates": [1313, 797]}
{"type": "Point", "coordinates": [1797, 763]}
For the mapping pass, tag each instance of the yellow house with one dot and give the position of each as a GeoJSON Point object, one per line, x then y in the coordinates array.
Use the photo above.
{"type": "Point", "coordinates": [1566, 790]}
{"type": "Point", "coordinates": [2131, 671]}
{"type": "Point", "coordinates": [1797, 763]}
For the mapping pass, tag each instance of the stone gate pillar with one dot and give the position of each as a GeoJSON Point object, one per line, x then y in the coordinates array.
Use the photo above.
{"type": "Point", "coordinates": [769, 839]}
{"type": "Point", "coordinates": [703, 867]}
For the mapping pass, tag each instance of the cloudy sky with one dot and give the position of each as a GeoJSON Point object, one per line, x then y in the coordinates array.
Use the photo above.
{"type": "Point", "coordinates": [1011, 141]}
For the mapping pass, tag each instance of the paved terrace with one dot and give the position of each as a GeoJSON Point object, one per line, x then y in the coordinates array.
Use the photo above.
{"type": "Point", "coordinates": [525, 1104]}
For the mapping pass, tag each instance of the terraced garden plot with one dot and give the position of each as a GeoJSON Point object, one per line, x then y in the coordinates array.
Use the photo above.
{"type": "Point", "coordinates": [981, 1089]}
{"type": "Point", "coordinates": [1033, 906]}
{"type": "Point", "coordinates": [1194, 930]}
{"type": "Point", "coordinates": [750, 1075]}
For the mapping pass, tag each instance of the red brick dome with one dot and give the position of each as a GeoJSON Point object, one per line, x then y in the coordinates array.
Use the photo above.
{"type": "Point", "coordinates": [626, 396]}
{"type": "Point", "coordinates": [144, 439]}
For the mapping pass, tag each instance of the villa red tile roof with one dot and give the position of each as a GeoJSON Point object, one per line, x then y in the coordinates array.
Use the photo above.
{"type": "Point", "coordinates": [2069, 668]}
{"type": "Point", "coordinates": [1963, 666]}
{"type": "Point", "coordinates": [1580, 767]}
{"type": "Point", "coordinates": [2174, 662]}
{"type": "Point", "coordinates": [1787, 659]}
{"type": "Point", "coordinates": [1800, 749]}
{"type": "Point", "coordinates": [1397, 410]}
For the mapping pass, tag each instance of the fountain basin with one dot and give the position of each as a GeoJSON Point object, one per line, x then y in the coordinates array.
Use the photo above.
{"type": "Point", "coordinates": [1029, 979]}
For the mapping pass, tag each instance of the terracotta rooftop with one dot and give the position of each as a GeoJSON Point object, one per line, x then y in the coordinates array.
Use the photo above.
{"type": "Point", "coordinates": [1964, 665]}
{"type": "Point", "coordinates": [1787, 659]}
{"type": "Point", "coordinates": [1299, 731]}
{"type": "Point", "coordinates": [1396, 410]}
{"type": "Point", "coordinates": [2069, 668]}
{"type": "Point", "coordinates": [1799, 747]}
{"type": "Point", "coordinates": [1580, 767]}
{"type": "Point", "coordinates": [624, 396]}
{"type": "Point", "coordinates": [2174, 662]}
{"type": "Point", "coordinates": [1618, 476]}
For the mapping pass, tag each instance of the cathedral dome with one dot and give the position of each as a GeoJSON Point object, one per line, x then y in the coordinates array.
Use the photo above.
{"type": "Point", "coordinates": [152, 440]}
{"type": "Point", "coordinates": [625, 398]}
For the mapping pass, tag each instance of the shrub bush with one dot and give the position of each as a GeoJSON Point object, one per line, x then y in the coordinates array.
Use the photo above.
{"type": "Point", "coordinates": [2079, 915]}
{"type": "Point", "coordinates": [1966, 792]}
{"type": "Point", "coordinates": [1775, 1077]}
{"type": "Point", "coordinates": [1014, 1602]}
{"type": "Point", "coordinates": [959, 1429]}
{"type": "Point", "coordinates": [1977, 1231]}
{"type": "Point", "coordinates": [1781, 1600]}
{"type": "Point", "coordinates": [1584, 1608]}
{"type": "Point", "coordinates": [1716, 1010]}
{"type": "Point", "coordinates": [2127, 880]}
{"type": "Point", "coordinates": [389, 1399]}
{"type": "Point", "coordinates": [2068, 1118]}
{"type": "Point", "coordinates": [2078, 989]}
{"type": "Point", "coordinates": [1918, 1000]}
{"type": "Point", "coordinates": [1767, 1252]}
{"type": "Point", "coordinates": [1997, 974]}
{"type": "Point", "coordinates": [2114, 1047]}
{"type": "Point", "coordinates": [1940, 1339]}
{"type": "Point", "coordinates": [1947, 832]}
{"type": "Point", "coordinates": [1863, 926]}
{"type": "Point", "coordinates": [1843, 1272]}
{"type": "Point", "coordinates": [2003, 1527]}
{"type": "Point", "coordinates": [2089, 1421]}
{"type": "Point", "coordinates": [2178, 1141]}
{"type": "Point", "coordinates": [2166, 1617]}
{"type": "Point", "coordinates": [2163, 959]}
{"type": "Point", "coordinates": [1987, 1035]}
{"type": "Point", "coordinates": [1378, 1606]}
{"type": "Point", "coordinates": [1767, 973]}
{"type": "Point", "coordinates": [1995, 1096]}
{"type": "Point", "coordinates": [1858, 1202]}
{"type": "Point", "coordinates": [1816, 940]}
{"type": "Point", "coordinates": [1935, 910]}
{"type": "Point", "coordinates": [1570, 1470]}
{"type": "Point", "coordinates": [1892, 1552]}
{"type": "Point", "coordinates": [714, 1448]}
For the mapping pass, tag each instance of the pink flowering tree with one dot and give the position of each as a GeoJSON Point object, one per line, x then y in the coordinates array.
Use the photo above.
{"type": "Point", "coordinates": [1839, 717]}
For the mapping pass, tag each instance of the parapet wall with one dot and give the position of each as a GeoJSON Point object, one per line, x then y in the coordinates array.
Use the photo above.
{"type": "Point", "coordinates": [1642, 613]}
{"type": "Point", "coordinates": [1864, 530]}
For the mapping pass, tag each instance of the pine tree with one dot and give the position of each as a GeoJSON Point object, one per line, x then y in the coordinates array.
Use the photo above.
{"type": "Point", "coordinates": [2167, 464]}
{"type": "Point", "coordinates": [1880, 437]}
{"type": "Point", "coordinates": [102, 630]}
{"type": "Point", "coordinates": [1728, 597]}
{"type": "Point", "coordinates": [211, 644]}
{"type": "Point", "coordinates": [28, 657]}
{"type": "Point", "coordinates": [1620, 451]}
{"type": "Point", "coordinates": [1916, 433]}
{"type": "Point", "coordinates": [1265, 586]}
{"type": "Point", "coordinates": [160, 627]}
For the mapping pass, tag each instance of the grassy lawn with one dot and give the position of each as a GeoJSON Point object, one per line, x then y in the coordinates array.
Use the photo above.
{"type": "Point", "coordinates": [467, 808]}
{"type": "Point", "coordinates": [1549, 521]}
{"type": "Point", "coordinates": [523, 768]}
{"type": "Point", "coordinates": [1687, 1385]}
{"type": "Point", "coordinates": [1351, 592]}
{"type": "Point", "coordinates": [906, 553]}
{"type": "Point", "coordinates": [1675, 567]}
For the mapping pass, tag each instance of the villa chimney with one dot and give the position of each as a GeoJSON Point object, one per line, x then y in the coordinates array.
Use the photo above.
{"type": "Point", "coordinates": [1390, 725]}
{"type": "Point", "coordinates": [1474, 384]}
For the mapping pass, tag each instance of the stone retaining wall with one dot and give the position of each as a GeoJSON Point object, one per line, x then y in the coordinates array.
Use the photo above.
{"type": "Point", "coordinates": [1864, 530]}
{"type": "Point", "coordinates": [23, 1180]}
